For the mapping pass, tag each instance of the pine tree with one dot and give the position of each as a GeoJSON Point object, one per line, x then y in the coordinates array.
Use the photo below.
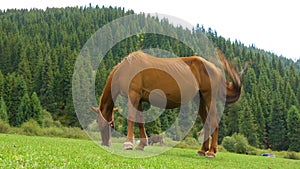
{"type": "Point", "coordinates": [281, 68]}
{"type": "Point", "coordinates": [293, 126]}
{"type": "Point", "coordinates": [47, 85]}
{"type": "Point", "coordinates": [36, 108]}
{"type": "Point", "coordinates": [290, 96]}
{"type": "Point", "coordinates": [277, 132]}
{"type": "Point", "coordinates": [166, 120]}
{"type": "Point", "coordinates": [66, 74]}
{"type": "Point", "coordinates": [298, 95]}
{"type": "Point", "coordinates": [275, 80]}
{"type": "Point", "coordinates": [232, 118]}
{"type": "Point", "coordinates": [37, 75]}
{"type": "Point", "coordinates": [222, 129]}
{"type": "Point", "coordinates": [71, 118]}
{"type": "Point", "coordinates": [291, 77]}
{"type": "Point", "coordinates": [259, 119]}
{"type": "Point", "coordinates": [101, 77]}
{"type": "Point", "coordinates": [24, 70]}
{"type": "Point", "coordinates": [2, 82]}
{"type": "Point", "coordinates": [81, 93]}
{"type": "Point", "coordinates": [24, 111]}
{"type": "Point", "coordinates": [247, 125]}
{"type": "Point", "coordinates": [3, 110]}
{"type": "Point", "coordinates": [15, 89]}
{"type": "Point", "coordinates": [264, 97]}
{"type": "Point", "coordinates": [249, 80]}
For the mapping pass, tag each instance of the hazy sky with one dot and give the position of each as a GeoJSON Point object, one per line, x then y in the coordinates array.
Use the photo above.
{"type": "Point", "coordinates": [271, 25]}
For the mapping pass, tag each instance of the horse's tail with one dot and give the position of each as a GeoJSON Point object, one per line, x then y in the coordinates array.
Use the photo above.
{"type": "Point", "coordinates": [233, 88]}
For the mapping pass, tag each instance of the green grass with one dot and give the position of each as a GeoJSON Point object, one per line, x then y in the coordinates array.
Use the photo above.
{"type": "Point", "coordinates": [19, 151]}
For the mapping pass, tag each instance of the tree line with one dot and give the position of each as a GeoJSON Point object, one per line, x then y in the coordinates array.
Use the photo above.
{"type": "Point", "coordinates": [38, 50]}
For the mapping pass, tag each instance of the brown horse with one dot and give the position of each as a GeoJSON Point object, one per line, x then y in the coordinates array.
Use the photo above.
{"type": "Point", "coordinates": [175, 81]}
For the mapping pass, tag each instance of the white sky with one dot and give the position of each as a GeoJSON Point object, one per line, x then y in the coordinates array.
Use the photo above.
{"type": "Point", "coordinates": [272, 25]}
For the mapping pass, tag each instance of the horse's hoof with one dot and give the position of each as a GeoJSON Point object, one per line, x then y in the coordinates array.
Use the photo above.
{"type": "Point", "coordinates": [209, 155]}
{"type": "Point", "coordinates": [139, 148]}
{"type": "Point", "coordinates": [201, 153]}
{"type": "Point", "coordinates": [128, 146]}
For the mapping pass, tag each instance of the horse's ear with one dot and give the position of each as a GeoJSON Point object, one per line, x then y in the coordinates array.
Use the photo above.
{"type": "Point", "coordinates": [95, 109]}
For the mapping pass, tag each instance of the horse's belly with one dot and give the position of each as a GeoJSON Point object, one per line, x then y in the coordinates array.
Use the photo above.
{"type": "Point", "coordinates": [168, 93]}
{"type": "Point", "coordinates": [166, 100]}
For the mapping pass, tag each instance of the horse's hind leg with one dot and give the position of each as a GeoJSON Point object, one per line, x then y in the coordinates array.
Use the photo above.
{"type": "Point", "coordinates": [141, 124]}
{"type": "Point", "coordinates": [214, 144]}
{"type": "Point", "coordinates": [203, 114]}
{"type": "Point", "coordinates": [214, 120]}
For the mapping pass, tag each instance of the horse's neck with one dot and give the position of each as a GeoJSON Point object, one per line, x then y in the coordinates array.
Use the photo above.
{"type": "Point", "coordinates": [106, 101]}
{"type": "Point", "coordinates": [106, 107]}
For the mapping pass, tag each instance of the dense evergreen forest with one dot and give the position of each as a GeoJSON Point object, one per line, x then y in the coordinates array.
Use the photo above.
{"type": "Point", "coordinates": [38, 50]}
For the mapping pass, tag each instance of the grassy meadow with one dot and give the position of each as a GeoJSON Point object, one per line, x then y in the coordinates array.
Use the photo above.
{"type": "Point", "coordinates": [20, 151]}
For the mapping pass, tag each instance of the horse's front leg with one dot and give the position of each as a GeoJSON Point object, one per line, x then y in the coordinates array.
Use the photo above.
{"type": "Point", "coordinates": [133, 102]}
{"type": "Point", "coordinates": [141, 123]}
{"type": "Point", "coordinates": [128, 145]}
{"type": "Point", "coordinates": [143, 137]}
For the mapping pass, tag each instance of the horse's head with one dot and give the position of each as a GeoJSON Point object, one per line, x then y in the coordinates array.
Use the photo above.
{"type": "Point", "coordinates": [105, 126]}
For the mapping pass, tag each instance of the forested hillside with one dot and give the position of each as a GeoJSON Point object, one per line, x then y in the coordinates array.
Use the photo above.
{"type": "Point", "coordinates": [38, 50]}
